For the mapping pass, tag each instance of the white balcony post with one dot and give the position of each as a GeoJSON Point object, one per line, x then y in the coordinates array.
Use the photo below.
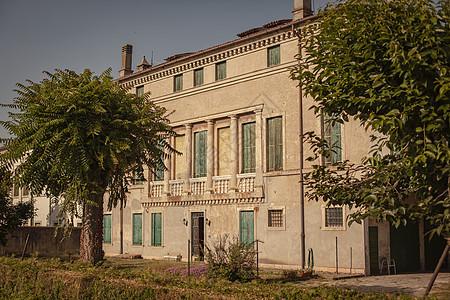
{"type": "Point", "coordinates": [167, 163]}
{"type": "Point", "coordinates": [188, 158]}
{"type": "Point", "coordinates": [210, 158]}
{"type": "Point", "coordinates": [234, 152]}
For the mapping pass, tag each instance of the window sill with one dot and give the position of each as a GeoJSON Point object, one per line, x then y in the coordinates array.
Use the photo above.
{"type": "Point", "coordinates": [341, 228]}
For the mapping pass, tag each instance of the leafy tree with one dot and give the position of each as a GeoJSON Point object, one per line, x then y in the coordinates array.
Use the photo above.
{"type": "Point", "coordinates": [386, 64]}
{"type": "Point", "coordinates": [11, 215]}
{"type": "Point", "coordinates": [76, 135]}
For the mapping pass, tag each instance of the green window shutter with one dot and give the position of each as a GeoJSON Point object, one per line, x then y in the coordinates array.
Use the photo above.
{"type": "Point", "coordinates": [273, 56]}
{"type": "Point", "coordinates": [198, 77]}
{"type": "Point", "coordinates": [221, 70]}
{"type": "Point", "coordinates": [156, 229]}
{"type": "Point", "coordinates": [332, 134]}
{"type": "Point", "coordinates": [107, 229]}
{"type": "Point", "coordinates": [200, 153]}
{"type": "Point", "coordinates": [137, 229]}
{"type": "Point", "coordinates": [274, 144]}
{"type": "Point", "coordinates": [159, 174]}
{"type": "Point", "coordinates": [140, 90]}
{"type": "Point", "coordinates": [246, 228]}
{"type": "Point", "coordinates": [178, 82]}
{"type": "Point", "coordinates": [248, 148]}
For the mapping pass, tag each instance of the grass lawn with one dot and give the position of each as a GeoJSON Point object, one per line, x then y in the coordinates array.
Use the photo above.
{"type": "Point", "coordinates": [69, 278]}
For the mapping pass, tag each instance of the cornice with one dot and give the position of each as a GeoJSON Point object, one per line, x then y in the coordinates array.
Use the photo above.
{"type": "Point", "coordinates": [255, 200]}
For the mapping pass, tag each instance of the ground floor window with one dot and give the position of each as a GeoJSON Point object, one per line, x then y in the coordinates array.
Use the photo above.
{"type": "Point", "coordinates": [107, 228]}
{"type": "Point", "coordinates": [137, 229]}
{"type": "Point", "coordinates": [156, 229]}
{"type": "Point", "coordinates": [334, 217]}
{"type": "Point", "coordinates": [275, 218]}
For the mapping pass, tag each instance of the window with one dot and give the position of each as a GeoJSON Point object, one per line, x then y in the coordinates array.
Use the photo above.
{"type": "Point", "coordinates": [274, 146]}
{"type": "Point", "coordinates": [332, 134]}
{"type": "Point", "coordinates": [25, 192]}
{"type": "Point", "coordinates": [224, 151]}
{"type": "Point", "coordinates": [198, 77]}
{"type": "Point", "coordinates": [16, 191]}
{"type": "Point", "coordinates": [178, 82]}
{"type": "Point", "coordinates": [156, 229]}
{"type": "Point", "coordinates": [37, 223]}
{"type": "Point", "coordinates": [138, 177]}
{"type": "Point", "coordinates": [140, 90]}
{"type": "Point", "coordinates": [137, 229]}
{"type": "Point", "coordinates": [106, 228]}
{"type": "Point", "coordinates": [273, 56]}
{"type": "Point", "coordinates": [200, 154]}
{"type": "Point", "coordinates": [275, 218]}
{"type": "Point", "coordinates": [221, 70]}
{"type": "Point", "coordinates": [334, 217]}
{"type": "Point", "coordinates": [159, 174]}
{"type": "Point", "coordinates": [248, 148]}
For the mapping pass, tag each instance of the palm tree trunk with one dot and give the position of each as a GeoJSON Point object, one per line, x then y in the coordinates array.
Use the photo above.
{"type": "Point", "coordinates": [91, 242]}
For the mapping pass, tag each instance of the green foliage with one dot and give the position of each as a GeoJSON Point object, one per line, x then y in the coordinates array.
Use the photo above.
{"type": "Point", "coordinates": [386, 64]}
{"type": "Point", "coordinates": [11, 215]}
{"type": "Point", "coordinates": [74, 135]}
{"type": "Point", "coordinates": [230, 259]}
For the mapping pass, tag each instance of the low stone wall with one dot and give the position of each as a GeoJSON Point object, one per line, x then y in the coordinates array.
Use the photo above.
{"type": "Point", "coordinates": [43, 241]}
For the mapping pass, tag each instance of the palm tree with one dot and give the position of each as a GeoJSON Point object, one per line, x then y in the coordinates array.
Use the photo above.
{"type": "Point", "coordinates": [75, 135]}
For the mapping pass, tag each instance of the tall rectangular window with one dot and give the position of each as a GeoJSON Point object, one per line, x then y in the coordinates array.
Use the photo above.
{"type": "Point", "coordinates": [200, 153]}
{"type": "Point", "coordinates": [274, 147]}
{"type": "Point", "coordinates": [273, 56]}
{"type": "Point", "coordinates": [248, 147]}
{"type": "Point", "coordinates": [179, 159]}
{"type": "Point", "coordinates": [25, 192]}
{"type": "Point", "coordinates": [140, 90]}
{"type": "Point", "coordinates": [332, 134]}
{"type": "Point", "coordinates": [224, 151]}
{"type": "Point", "coordinates": [16, 190]}
{"type": "Point", "coordinates": [137, 229]}
{"type": "Point", "coordinates": [198, 77]}
{"type": "Point", "coordinates": [138, 177]}
{"type": "Point", "coordinates": [156, 229]}
{"type": "Point", "coordinates": [221, 70]}
{"type": "Point", "coordinates": [178, 82]}
{"type": "Point", "coordinates": [107, 228]}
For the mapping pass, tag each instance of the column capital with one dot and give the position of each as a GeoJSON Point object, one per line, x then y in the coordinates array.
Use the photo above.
{"type": "Point", "coordinates": [233, 117]}
{"type": "Point", "coordinates": [258, 111]}
{"type": "Point", "coordinates": [210, 122]}
{"type": "Point", "coordinates": [188, 125]}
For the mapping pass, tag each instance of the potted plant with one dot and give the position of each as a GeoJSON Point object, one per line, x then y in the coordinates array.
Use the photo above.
{"type": "Point", "coordinates": [290, 273]}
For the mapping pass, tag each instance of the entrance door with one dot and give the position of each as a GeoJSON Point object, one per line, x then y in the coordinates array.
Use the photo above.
{"type": "Point", "coordinates": [246, 228]}
{"type": "Point", "coordinates": [373, 250]}
{"type": "Point", "coordinates": [405, 247]}
{"type": "Point", "coordinates": [198, 233]}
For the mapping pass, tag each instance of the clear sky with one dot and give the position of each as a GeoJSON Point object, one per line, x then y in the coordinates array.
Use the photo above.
{"type": "Point", "coordinates": [37, 35]}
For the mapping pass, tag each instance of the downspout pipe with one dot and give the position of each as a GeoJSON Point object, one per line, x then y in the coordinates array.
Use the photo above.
{"type": "Point", "coordinates": [301, 191]}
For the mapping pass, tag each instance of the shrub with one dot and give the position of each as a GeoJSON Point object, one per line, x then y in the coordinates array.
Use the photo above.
{"type": "Point", "coordinates": [230, 259]}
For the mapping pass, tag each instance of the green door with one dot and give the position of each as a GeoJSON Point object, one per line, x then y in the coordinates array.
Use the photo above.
{"type": "Point", "coordinates": [246, 227]}
{"type": "Point", "coordinates": [137, 229]}
{"type": "Point", "coordinates": [373, 250]}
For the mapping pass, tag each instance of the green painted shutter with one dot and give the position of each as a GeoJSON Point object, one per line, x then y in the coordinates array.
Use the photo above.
{"type": "Point", "coordinates": [274, 144]}
{"type": "Point", "coordinates": [273, 56]}
{"type": "Point", "coordinates": [178, 82]}
{"type": "Point", "coordinates": [140, 90]}
{"type": "Point", "coordinates": [156, 229]}
{"type": "Point", "coordinates": [137, 229]}
{"type": "Point", "coordinates": [200, 153]}
{"type": "Point", "coordinates": [248, 147]}
{"type": "Point", "coordinates": [107, 229]}
{"type": "Point", "coordinates": [221, 70]}
{"type": "Point", "coordinates": [246, 228]}
{"type": "Point", "coordinates": [332, 134]}
{"type": "Point", "coordinates": [198, 77]}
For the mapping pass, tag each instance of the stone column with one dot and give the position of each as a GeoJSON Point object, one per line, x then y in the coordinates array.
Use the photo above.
{"type": "Point", "coordinates": [188, 159]}
{"type": "Point", "coordinates": [167, 163]}
{"type": "Point", "coordinates": [258, 152]}
{"type": "Point", "coordinates": [234, 153]}
{"type": "Point", "coordinates": [210, 158]}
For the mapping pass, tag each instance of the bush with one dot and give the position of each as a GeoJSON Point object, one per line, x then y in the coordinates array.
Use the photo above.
{"type": "Point", "coordinates": [230, 259]}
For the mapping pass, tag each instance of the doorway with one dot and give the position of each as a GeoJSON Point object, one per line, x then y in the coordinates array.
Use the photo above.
{"type": "Point", "coordinates": [246, 228]}
{"type": "Point", "coordinates": [405, 247]}
{"type": "Point", "coordinates": [198, 233]}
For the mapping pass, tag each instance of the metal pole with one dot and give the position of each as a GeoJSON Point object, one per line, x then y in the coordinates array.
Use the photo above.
{"type": "Point", "coordinates": [121, 229]}
{"type": "Point", "coordinates": [257, 258]}
{"type": "Point", "coordinates": [351, 262]}
{"type": "Point", "coordinates": [189, 257]}
{"type": "Point", "coordinates": [337, 266]}
{"type": "Point", "coordinates": [436, 271]}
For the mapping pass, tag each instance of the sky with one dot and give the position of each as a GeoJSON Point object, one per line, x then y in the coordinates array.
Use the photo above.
{"type": "Point", "coordinates": [38, 35]}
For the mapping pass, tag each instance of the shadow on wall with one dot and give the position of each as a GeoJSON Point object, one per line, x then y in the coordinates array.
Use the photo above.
{"type": "Point", "coordinates": [43, 241]}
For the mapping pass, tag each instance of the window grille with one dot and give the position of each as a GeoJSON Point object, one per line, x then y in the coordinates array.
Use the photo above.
{"type": "Point", "coordinates": [334, 217]}
{"type": "Point", "coordinates": [276, 218]}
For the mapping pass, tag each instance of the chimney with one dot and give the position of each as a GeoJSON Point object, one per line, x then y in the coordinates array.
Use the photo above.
{"type": "Point", "coordinates": [127, 52]}
{"type": "Point", "coordinates": [302, 9]}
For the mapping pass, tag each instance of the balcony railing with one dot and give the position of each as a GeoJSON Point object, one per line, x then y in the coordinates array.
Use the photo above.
{"type": "Point", "coordinates": [221, 184]}
{"type": "Point", "coordinates": [176, 187]}
{"type": "Point", "coordinates": [156, 188]}
{"type": "Point", "coordinates": [197, 185]}
{"type": "Point", "coordinates": [246, 182]}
